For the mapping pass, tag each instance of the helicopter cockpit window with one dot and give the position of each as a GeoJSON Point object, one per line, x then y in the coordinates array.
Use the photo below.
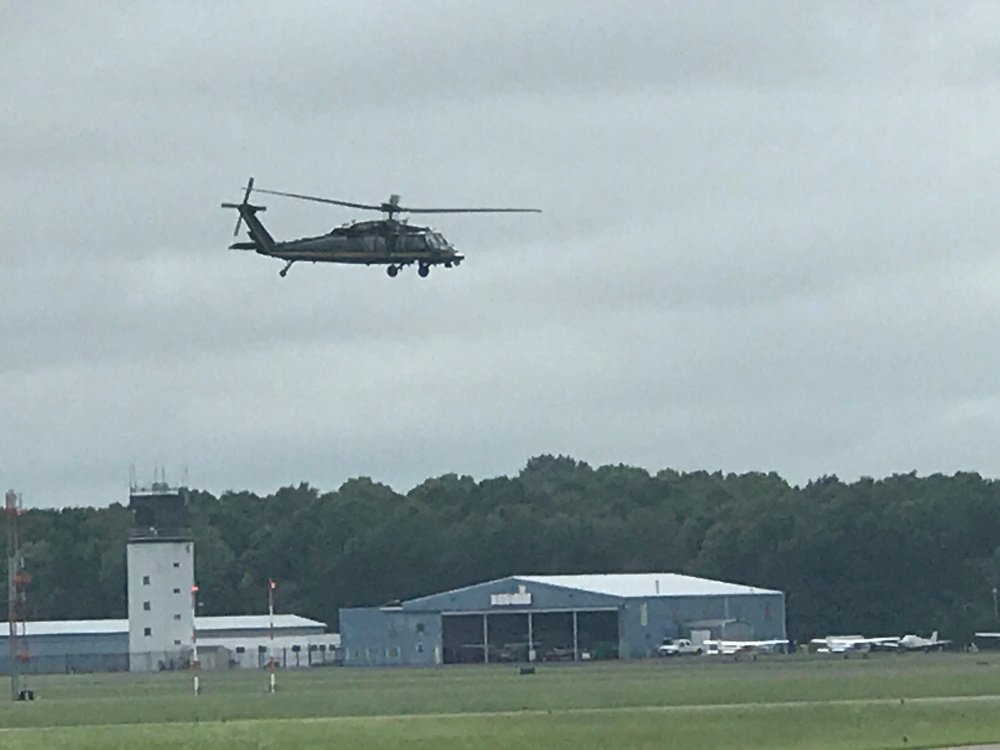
{"type": "Point", "coordinates": [435, 240]}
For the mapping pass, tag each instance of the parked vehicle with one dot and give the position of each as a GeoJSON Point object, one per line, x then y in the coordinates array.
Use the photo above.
{"type": "Point", "coordinates": [678, 647]}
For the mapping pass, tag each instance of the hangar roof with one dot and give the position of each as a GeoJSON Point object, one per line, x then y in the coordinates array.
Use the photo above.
{"type": "Point", "coordinates": [71, 627]}
{"type": "Point", "coordinates": [97, 627]}
{"type": "Point", "coordinates": [557, 591]}
{"type": "Point", "coordinates": [255, 622]}
{"type": "Point", "coordinates": [631, 585]}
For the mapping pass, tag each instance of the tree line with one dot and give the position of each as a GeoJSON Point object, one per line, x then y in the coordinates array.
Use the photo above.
{"type": "Point", "coordinates": [887, 556]}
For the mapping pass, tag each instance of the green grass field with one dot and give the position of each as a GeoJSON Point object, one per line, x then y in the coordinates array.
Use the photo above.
{"type": "Point", "coordinates": [913, 701]}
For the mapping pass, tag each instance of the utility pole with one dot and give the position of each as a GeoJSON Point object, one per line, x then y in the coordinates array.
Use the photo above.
{"type": "Point", "coordinates": [270, 613]}
{"type": "Point", "coordinates": [195, 664]}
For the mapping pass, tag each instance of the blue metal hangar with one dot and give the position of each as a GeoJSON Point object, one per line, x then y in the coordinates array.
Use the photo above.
{"type": "Point", "coordinates": [561, 617]}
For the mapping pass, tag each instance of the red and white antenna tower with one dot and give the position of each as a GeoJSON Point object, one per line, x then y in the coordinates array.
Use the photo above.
{"type": "Point", "coordinates": [17, 600]}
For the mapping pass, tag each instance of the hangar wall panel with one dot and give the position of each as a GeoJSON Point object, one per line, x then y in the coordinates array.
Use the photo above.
{"type": "Point", "coordinates": [373, 636]}
{"type": "Point", "coordinates": [67, 653]}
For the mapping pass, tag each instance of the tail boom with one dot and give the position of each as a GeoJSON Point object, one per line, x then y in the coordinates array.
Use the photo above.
{"type": "Point", "coordinates": [262, 241]}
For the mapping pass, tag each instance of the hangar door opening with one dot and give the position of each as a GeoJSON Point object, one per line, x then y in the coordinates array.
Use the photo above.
{"type": "Point", "coordinates": [529, 636]}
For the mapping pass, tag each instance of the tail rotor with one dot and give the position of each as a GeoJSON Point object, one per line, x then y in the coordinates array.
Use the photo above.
{"type": "Point", "coordinates": [246, 201]}
{"type": "Point", "coordinates": [260, 240]}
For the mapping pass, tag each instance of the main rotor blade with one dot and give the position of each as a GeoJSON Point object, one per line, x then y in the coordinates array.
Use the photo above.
{"type": "Point", "coordinates": [320, 200]}
{"type": "Point", "coordinates": [403, 210]}
{"type": "Point", "coordinates": [393, 207]}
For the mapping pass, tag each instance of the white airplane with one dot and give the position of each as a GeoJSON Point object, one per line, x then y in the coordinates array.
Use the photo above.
{"type": "Point", "coordinates": [843, 644]}
{"type": "Point", "coordinates": [916, 643]}
{"type": "Point", "coordinates": [728, 648]}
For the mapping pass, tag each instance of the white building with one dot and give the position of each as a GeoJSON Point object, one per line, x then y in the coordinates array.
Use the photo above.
{"type": "Point", "coordinates": [249, 641]}
{"type": "Point", "coordinates": [235, 641]}
{"type": "Point", "coordinates": [160, 565]}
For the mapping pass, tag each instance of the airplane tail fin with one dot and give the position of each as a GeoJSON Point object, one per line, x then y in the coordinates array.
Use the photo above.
{"type": "Point", "coordinates": [262, 240]}
{"type": "Point", "coordinates": [934, 637]}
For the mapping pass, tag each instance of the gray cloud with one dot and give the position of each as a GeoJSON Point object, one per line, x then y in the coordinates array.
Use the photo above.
{"type": "Point", "coordinates": [768, 240]}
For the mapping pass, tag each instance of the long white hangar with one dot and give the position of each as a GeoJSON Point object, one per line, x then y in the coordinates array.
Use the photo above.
{"type": "Point", "coordinates": [561, 617]}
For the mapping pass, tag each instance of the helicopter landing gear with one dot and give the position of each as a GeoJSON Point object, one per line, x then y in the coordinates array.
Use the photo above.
{"type": "Point", "coordinates": [392, 271]}
{"type": "Point", "coordinates": [423, 270]}
{"type": "Point", "coordinates": [284, 271]}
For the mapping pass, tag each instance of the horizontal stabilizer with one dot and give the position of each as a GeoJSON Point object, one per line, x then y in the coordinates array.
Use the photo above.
{"type": "Point", "coordinates": [243, 246]}
{"type": "Point", "coordinates": [249, 206]}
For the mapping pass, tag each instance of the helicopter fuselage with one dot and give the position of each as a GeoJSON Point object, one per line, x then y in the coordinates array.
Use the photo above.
{"type": "Point", "coordinates": [387, 242]}
{"type": "Point", "coordinates": [382, 243]}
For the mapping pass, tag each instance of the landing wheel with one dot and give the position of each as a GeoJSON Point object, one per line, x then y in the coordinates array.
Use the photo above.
{"type": "Point", "coordinates": [283, 272]}
{"type": "Point", "coordinates": [392, 271]}
{"type": "Point", "coordinates": [423, 271]}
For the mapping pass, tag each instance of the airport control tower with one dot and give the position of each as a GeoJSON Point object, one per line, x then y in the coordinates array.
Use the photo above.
{"type": "Point", "coordinates": [160, 579]}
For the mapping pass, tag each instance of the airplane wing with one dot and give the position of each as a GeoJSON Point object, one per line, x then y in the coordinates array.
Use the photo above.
{"type": "Point", "coordinates": [888, 641]}
{"type": "Point", "coordinates": [735, 647]}
{"type": "Point", "coordinates": [776, 643]}
{"type": "Point", "coordinates": [839, 644]}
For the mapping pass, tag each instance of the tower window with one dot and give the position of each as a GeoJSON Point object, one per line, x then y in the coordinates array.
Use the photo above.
{"type": "Point", "coordinates": [177, 564]}
{"type": "Point", "coordinates": [177, 641]}
{"type": "Point", "coordinates": [177, 591]}
{"type": "Point", "coordinates": [145, 580]}
{"type": "Point", "coordinates": [145, 606]}
{"type": "Point", "coordinates": [177, 616]}
{"type": "Point", "coordinates": [147, 631]}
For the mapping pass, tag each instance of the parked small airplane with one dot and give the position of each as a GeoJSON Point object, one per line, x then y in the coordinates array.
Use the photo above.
{"type": "Point", "coordinates": [728, 648]}
{"type": "Point", "coordinates": [916, 643]}
{"type": "Point", "coordinates": [843, 644]}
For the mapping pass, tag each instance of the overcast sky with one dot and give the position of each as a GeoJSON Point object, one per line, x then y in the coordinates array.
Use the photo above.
{"type": "Point", "coordinates": [769, 240]}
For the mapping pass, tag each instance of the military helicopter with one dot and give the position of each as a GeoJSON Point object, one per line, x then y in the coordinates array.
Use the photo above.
{"type": "Point", "coordinates": [389, 241]}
